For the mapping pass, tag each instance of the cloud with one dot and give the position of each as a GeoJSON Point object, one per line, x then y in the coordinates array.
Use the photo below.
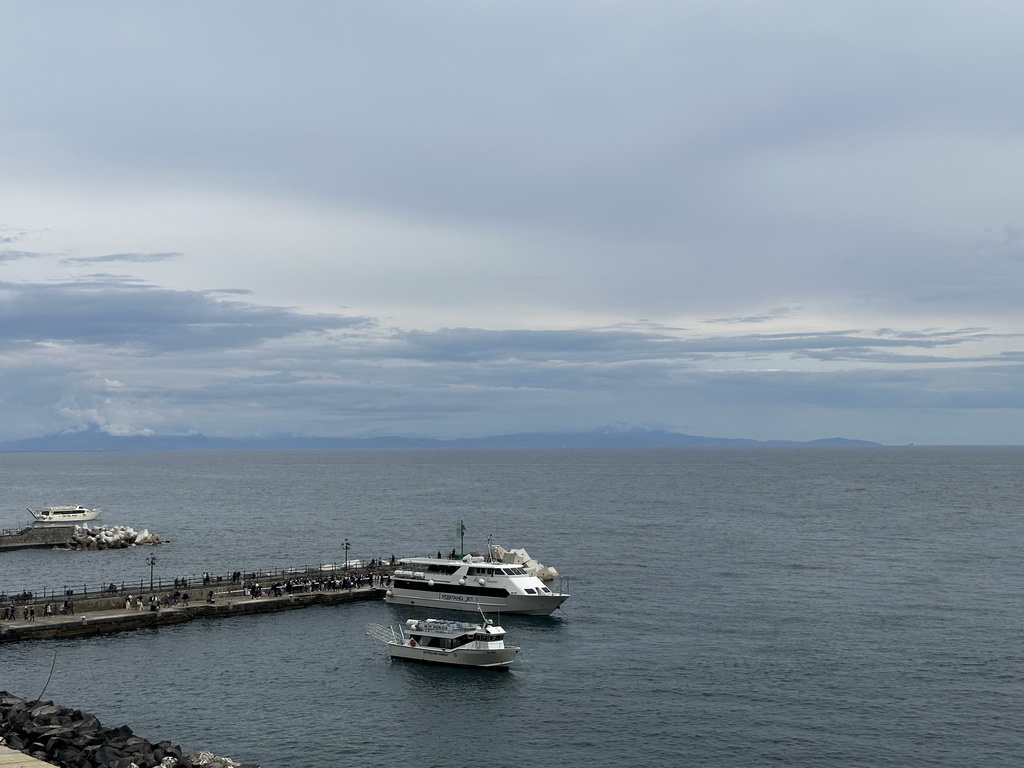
{"type": "Point", "coordinates": [145, 319]}
{"type": "Point", "coordinates": [9, 235]}
{"type": "Point", "coordinates": [133, 258]}
{"type": "Point", "coordinates": [9, 254]}
{"type": "Point", "coordinates": [138, 359]}
{"type": "Point", "coordinates": [773, 314]}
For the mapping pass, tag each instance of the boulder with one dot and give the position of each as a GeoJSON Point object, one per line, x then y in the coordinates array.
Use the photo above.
{"type": "Point", "coordinates": [76, 739]}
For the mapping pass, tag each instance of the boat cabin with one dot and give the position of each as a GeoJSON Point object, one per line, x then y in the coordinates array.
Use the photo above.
{"type": "Point", "coordinates": [450, 634]}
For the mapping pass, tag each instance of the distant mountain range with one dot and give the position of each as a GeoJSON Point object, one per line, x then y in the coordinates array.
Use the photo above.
{"type": "Point", "coordinates": [95, 440]}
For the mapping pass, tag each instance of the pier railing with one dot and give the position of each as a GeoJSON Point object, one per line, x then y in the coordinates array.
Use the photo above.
{"type": "Point", "coordinates": [193, 583]}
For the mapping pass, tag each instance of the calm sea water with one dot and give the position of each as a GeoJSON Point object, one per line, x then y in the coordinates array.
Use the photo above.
{"type": "Point", "coordinates": [731, 607]}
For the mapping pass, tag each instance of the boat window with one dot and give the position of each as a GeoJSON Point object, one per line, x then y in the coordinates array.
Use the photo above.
{"type": "Point", "coordinates": [448, 569]}
{"type": "Point", "coordinates": [531, 591]}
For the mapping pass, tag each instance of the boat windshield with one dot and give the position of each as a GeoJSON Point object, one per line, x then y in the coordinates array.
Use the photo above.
{"type": "Point", "coordinates": [435, 568]}
{"type": "Point", "coordinates": [482, 570]}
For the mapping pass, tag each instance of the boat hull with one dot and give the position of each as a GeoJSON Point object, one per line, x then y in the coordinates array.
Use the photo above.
{"type": "Point", "coordinates": [480, 658]}
{"type": "Point", "coordinates": [523, 605]}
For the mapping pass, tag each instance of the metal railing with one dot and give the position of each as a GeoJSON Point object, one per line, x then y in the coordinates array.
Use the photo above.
{"type": "Point", "coordinates": [204, 581]}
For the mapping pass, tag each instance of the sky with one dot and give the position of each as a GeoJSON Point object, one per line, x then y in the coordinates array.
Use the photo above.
{"type": "Point", "coordinates": [762, 219]}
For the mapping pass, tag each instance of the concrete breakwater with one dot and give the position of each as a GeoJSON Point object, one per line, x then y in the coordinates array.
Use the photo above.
{"type": "Point", "coordinates": [37, 536]}
{"type": "Point", "coordinates": [107, 614]}
{"type": "Point", "coordinates": [69, 737]}
{"type": "Point", "coordinates": [77, 537]}
{"type": "Point", "coordinates": [111, 537]}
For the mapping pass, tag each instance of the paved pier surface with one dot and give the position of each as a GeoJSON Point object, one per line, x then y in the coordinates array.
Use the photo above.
{"type": "Point", "coordinates": [37, 536]}
{"type": "Point", "coordinates": [85, 622]}
{"type": "Point", "coordinates": [12, 758]}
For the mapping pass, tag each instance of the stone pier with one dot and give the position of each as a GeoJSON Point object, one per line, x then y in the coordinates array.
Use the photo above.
{"type": "Point", "coordinates": [37, 536]}
{"type": "Point", "coordinates": [106, 615]}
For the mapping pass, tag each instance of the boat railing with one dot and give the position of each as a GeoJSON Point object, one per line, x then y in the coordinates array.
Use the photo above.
{"type": "Point", "coordinates": [382, 633]}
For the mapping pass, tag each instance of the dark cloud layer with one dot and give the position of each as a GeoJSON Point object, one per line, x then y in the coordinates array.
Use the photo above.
{"type": "Point", "coordinates": [74, 355]}
{"type": "Point", "coordinates": [136, 258]}
{"type": "Point", "coordinates": [146, 319]}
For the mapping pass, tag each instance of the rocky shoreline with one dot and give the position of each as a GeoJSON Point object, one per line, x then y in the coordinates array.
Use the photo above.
{"type": "Point", "coordinates": [71, 738]}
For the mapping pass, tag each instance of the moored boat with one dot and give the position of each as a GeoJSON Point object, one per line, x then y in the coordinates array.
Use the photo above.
{"type": "Point", "coordinates": [438, 641]}
{"type": "Point", "coordinates": [470, 584]}
{"type": "Point", "coordinates": [67, 514]}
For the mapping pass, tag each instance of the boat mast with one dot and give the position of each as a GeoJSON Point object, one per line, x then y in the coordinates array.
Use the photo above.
{"type": "Point", "coordinates": [460, 531]}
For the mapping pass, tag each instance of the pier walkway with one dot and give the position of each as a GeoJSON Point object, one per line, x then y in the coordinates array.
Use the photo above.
{"type": "Point", "coordinates": [104, 619]}
{"type": "Point", "coordinates": [41, 536]}
{"type": "Point", "coordinates": [12, 758]}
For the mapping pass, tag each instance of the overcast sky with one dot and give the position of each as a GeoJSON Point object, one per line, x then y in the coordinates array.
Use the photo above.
{"type": "Point", "coordinates": [761, 219]}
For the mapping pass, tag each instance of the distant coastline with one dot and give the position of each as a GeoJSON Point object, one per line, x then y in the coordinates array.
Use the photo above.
{"type": "Point", "coordinates": [95, 440]}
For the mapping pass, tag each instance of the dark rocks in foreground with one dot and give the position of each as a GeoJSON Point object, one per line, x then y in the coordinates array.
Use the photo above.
{"type": "Point", "coordinates": [71, 738]}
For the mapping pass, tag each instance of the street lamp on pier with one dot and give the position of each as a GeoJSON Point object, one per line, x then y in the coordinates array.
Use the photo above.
{"type": "Point", "coordinates": [151, 562]}
{"type": "Point", "coordinates": [346, 545]}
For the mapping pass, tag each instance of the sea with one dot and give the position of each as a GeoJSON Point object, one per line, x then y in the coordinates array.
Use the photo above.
{"type": "Point", "coordinates": [798, 606]}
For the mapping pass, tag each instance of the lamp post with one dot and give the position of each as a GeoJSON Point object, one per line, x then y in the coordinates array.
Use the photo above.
{"type": "Point", "coordinates": [346, 545]}
{"type": "Point", "coordinates": [151, 562]}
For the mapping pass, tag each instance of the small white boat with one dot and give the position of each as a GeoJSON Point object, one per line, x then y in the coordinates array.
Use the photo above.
{"type": "Point", "coordinates": [67, 514]}
{"type": "Point", "coordinates": [438, 641]}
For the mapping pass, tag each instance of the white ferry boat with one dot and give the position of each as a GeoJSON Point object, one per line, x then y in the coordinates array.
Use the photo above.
{"type": "Point", "coordinates": [471, 584]}
{"type": "Point", "coordinates": [437, 641]}
{"type": "Point", "coordinates": [67, 514]}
